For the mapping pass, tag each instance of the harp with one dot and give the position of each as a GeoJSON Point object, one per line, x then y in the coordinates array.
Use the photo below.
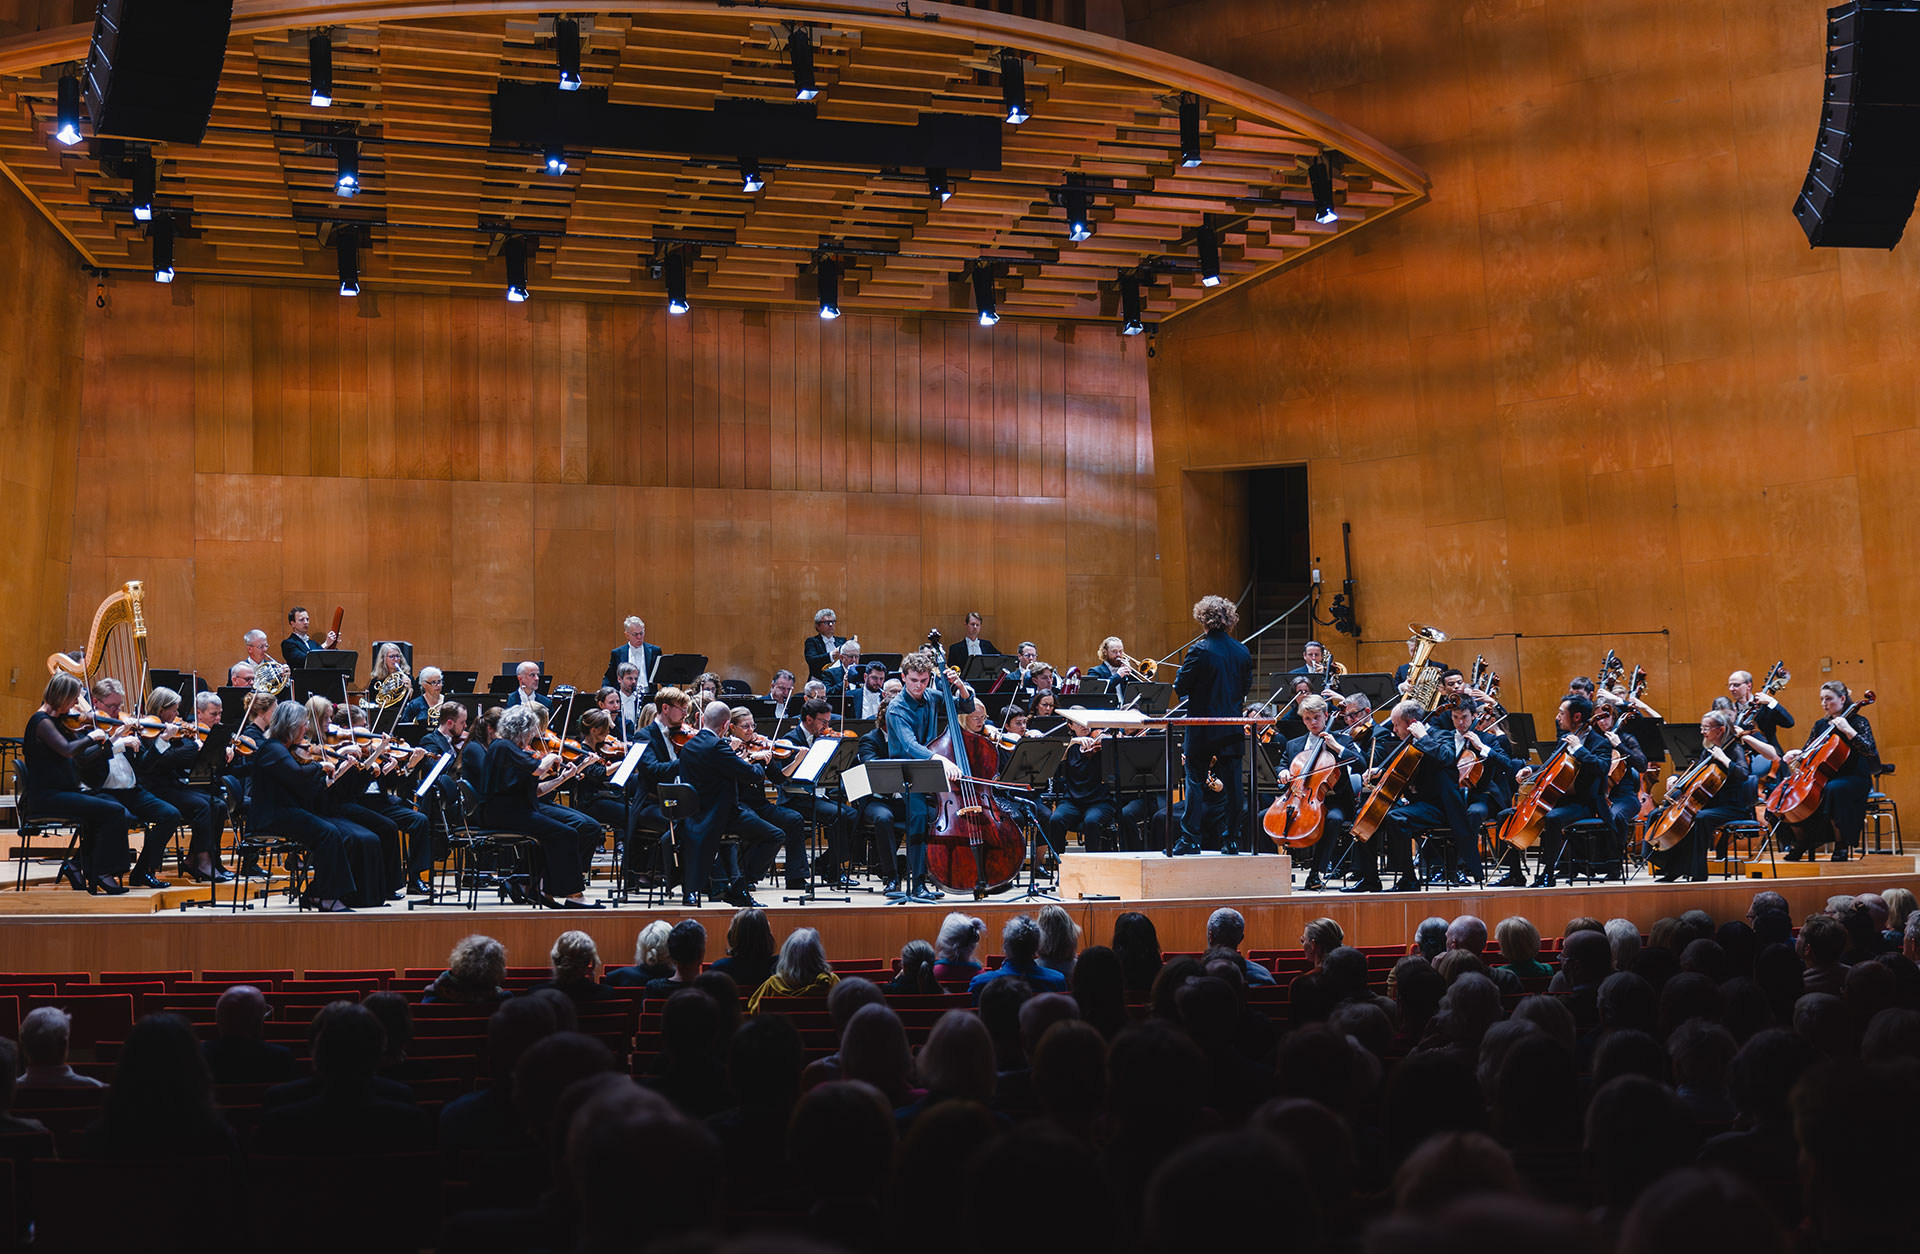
{"type": "Point", "coordinates": [116, 647]}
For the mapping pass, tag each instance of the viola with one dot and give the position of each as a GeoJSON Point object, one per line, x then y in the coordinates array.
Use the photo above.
{"type": "Point", "coordinates": [1797, 797]}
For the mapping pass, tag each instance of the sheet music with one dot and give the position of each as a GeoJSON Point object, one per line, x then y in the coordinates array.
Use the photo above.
{"type": "Point", "coordinates": [1104, 718]}
{"type": "Point", "coordinates": [855, 780]}
{"type": "Point", "coordinates": [634, 753]}
{"type": "Point", "coordinates": [432, 775]}
{"type": "Point", "coordinates": [816, 760]}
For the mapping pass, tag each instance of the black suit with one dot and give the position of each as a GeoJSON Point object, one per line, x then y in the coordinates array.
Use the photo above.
{"type": "Point", "coordinates": [1213, 679]}
{"type": "Point", "coordinates": [1733, 802]}
{"type": "Point", "coordinates": [884, 815]}
{"type": "Point", "coordinates": [512, 804]}
{"type": "Point", "coordinates": [165, 773]}
{"type": "Point", "coordinates": [287, 799]}
{"type": "Point", "coordinates": [820, 653]}
{"type": "Point", "coordinates": [514, 698]}
{"type": "Point", "coordinates": [836, 820]}
{"type": "Point", "coordinates": [1339, 796]}
{"type": "Point", "coordinates": [294, 650]}
{"type": "Point", "coordinates": [957, 651]}
{"type": "Point", "coordinates": [717, 774]}
{"type": "Point", "coordinates": [1432, 800]}
{"type": "Point", "coordinates": [650, 658]}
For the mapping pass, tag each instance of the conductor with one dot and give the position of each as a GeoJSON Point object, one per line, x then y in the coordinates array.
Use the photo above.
{"type": "Point", "coordinates": [1213, 680]}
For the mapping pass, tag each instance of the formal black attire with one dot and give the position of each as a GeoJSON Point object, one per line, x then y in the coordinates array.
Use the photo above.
{"type": "Point", "coordinates": [513, 804]}
{"type": "Point", "coordinates": [858, 702]}
{"type": "Point", "coordinates": [161, 819]}
{"type": "Point", "coordinates": [1214, 679]}
{"type": "Point", "coordinates": [1340, 799]}
{"type": "Point", "coordinates": [717, 773]}
{"type": "Point", "coordinates": [416, 710]}
{"type": "Point", "coordinates": [1494, 791]}
{"type": "Point", "coordinates": [294, 650]}
{"type": "Point", "coordinates": [784, 815]}
{"type": "Point", "coordinates": [820, 652]}
{"type": "Point", "coordinates": [355, 796]}
{"type": "Point", "coordinates": [1587, 799]}
{"type": "Point", "coordinates": [1842, 816]}
{"type": "Point", "coordinates": [1116, 683]}
{"type": "Point", "coordinates": [1768, 722]}
{"type": "Point", "coordinates": [885, 816]}
{"type": "Point", "coordinates": [1623, 804]}
{"type": "Point", "coordinates": [1732, 803]}
{"type": "Point", "coordinates": [165, 772]}
{"type": "Point", "coordinates": [1432, 800]}
{"type": "Point", "coordinates": [1086, 804]}
{"type": "Point", "coordinates": [286, 799]}
{"type": "Point", "coordinates": [659, 764]}
{"type": "Point", "coordinates": [520, 697]}
{"type": "Point", "coordinates": [833, 818]}
{"type": "Point", "coordinates": [648, 661]}
{"type": "Point", "coordinates": [53, 792]}
{"type": "Point", "coordinates": [958, 652]}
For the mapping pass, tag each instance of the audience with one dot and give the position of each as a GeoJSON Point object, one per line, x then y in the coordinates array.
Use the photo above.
{"type": "Point", "coordinates": [573, 961]}
{"type": "Point", "coordinates": [347, 1115]}
{"type": "Point", "coordinates": [802, 971]}
{"type": "Point", "coordinates": [954, 965]}
{"type": "Point", "coordinates": [43, 1042]}
{"type": "Point", "coordinates": [1226, 930]}
{"type": "Point", "coordinates": [915, 976]}
{"type": "Point", "coordinates": [476, 974]}
{"type": "Point", "coordinates": [1059, 939]}
{"type": "Point", "coordinates": [751, 949]}
{"type": "Point", "coordinates": [1519, 942]}
{"type": "Point", "coordinates": [240, 1053]}
{"type": "Point", "coordinates": [686, 953]}
{"type": "Point", "coordinates": [650, 960]}
{"type": "Point", "coordinates": [1020, 942]}
{"type": "Point", "coordinates": [10, 1123]}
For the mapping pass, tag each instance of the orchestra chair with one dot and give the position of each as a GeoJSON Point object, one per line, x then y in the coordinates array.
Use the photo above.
{"type": "Point", "coordinates": [677, 802]}
{"type": "Point", "coordinates": [1577, 846]}
{"type": "Point", "coordinates": [1883, 814]}
{"type": "Point", "coordinates": [1441, 838]}
{"type": "Point", "coordinates": [31, 827]}
{"type": "Point", "coordinates": [1727, 835]}
{"type": "Point", "coordinates": [256, 852]}
{"type": "Point", "coordinates": [470, 843]}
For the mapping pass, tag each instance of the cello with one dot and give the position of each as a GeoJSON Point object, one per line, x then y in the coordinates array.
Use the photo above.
{"type": "Point", "coordinates": [1688, 796]}
{"type": "Point", "coordinates": [1798, 795]}
{"type": "Point", "coordinates": [1298, 818]}
{"type": "Point", "coordinates": [972, 844]}
{"type": "Point", "coordinates": [1551, 786]}
{"type": "Point", "coordinates": [1396, 776]}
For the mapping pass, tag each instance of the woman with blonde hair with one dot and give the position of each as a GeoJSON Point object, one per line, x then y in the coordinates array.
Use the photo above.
{"type": "Point", "coordinates": [573, 960]}
{"type": "Point", "coordinates": [1059, 939]}
{"type": "Point", "coordinates": [650, 961]}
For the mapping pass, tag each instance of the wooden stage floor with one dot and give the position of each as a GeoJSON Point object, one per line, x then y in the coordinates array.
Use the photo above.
{"type": "Point", "coordinates": [49, 928]}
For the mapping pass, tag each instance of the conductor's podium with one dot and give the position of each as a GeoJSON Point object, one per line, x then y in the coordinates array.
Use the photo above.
{"type": "Point", "coordinates": [1156, 877]}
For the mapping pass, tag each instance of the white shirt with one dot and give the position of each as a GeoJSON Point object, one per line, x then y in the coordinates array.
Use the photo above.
{"type": "Point", "coordinates": [119, 772]}
{"type": "Point", "coordinates": [630, 704]}
{"type": "Point", "coordinates": [973, 646]}
{"type": "Point", "coordinates": [869, 703]}
{"type": "Point", "coordinates": [666, 738]}
{"type": "Point", "coordinates": [526, 696]}
{"type": "Point", "coordinates": [637, 654]}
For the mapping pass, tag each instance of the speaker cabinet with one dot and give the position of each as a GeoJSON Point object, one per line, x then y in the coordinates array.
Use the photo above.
{"type": "Point", "coordinates": [1865, 171]}
{"type": "Point", "coordinates": [154, 66]}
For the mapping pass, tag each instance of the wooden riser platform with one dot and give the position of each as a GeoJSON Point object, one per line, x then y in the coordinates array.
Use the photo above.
{"type": "Point", "coordinates": [66, 930]}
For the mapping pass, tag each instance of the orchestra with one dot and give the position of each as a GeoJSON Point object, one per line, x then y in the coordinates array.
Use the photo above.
{"type": "Point", "coordinates": [1435, 790]}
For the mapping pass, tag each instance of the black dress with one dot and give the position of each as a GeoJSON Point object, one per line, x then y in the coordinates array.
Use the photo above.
{"type": "Point", "coordinates": [53, 792]}
{"type": "Point", "coordinates": [567, 839]}
{"type": "Point", "coordinates": [286, 796]}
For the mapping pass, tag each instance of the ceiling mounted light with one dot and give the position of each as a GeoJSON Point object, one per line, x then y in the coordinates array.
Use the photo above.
{"type": "Point", "coordinates": [566, 52]}
{"type": "Point", "coordinates": [828, 283]}
{"type": "Point", "coordinates": [346, 180]}
{"type": "Point", "coordinates": [346, 245]}
{"type": "Point", "coordinates": [750, 177]}
{"type": "Point", "coordinates": [1207, 243]}
{"type": "Point", "coordinates": [516, 253]}
{"type": "Point", "coordinates": [1013, 86]}
{"type": "Point", "coordinates": [1130, 323]}
{"type": "Point", "coordinates": [938, 184]}
{"type": "Point", "coordinates": [1075, 201]}
{"type": "Point", "coordinates": [160, 231]}
{"type": "Point", "coordinates": [320, 71]}
{"type": "Point", "coordinates": [556, 159]}
{"type": "Point", "coordinates": [145, 176]}
{"type": "Point", "coordinates": [984, 302]}
{"type": "Point", "coordinates": [1189, 129]}
{"type": "Point", "coordinates": [1320, 179]}
{"type": "Point", "coordinates": [673, 269]}
{"type": "Point", "coordinates": [800, 54]}
{"type": "Point", "coordinates": [66, 125]}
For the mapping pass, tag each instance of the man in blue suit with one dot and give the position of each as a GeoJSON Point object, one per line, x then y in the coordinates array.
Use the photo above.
{"type": "Point", "coordinates": [716, 770]}
{"type": "Point", "coordinates": [635, 651]}
{"type": "Point", "coordinates": [1213, 680]}
{"type": "Point", "coordinates": [528, 693]}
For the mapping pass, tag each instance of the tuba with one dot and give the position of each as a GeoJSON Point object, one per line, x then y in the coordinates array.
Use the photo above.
{"type": "Point", "coordinates": [1423, 677]}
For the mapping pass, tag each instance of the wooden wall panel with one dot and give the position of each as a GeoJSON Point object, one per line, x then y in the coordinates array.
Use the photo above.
{"type": "Point", "coordinates": [1599, 384]}
{"type": "Point", "coordinates": [492, 481]}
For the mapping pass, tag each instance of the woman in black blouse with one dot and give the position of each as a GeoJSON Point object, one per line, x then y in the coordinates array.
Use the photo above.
{"type": "Point", "coordinates": [286, 797]}
{"type": "Point", "coordinates": [1843, 803]}
{"type": "Point", "coordinates": [516, 781]}
{"type": "Point", "coordinates": [53, 791]}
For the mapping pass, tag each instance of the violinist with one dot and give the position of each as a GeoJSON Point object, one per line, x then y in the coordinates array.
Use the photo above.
{"type": "Point", "coordinates": [1480, 764]}
{"type": "Point", "coordinates": [359, 794]}
{"type": "Point", "coordinates": [52, 789]}
{"type": "Point", "coordinates": [516, 782]}
{"type": "Point", "coordinates": [1732, 801]}
{"type": "Point", "coordinates": [1492, 790]}
{"type": "Point", "coordinates": [720, 777]}
{"type": "Point", "coordinates": [832, 818]}
{"type": "Point", "coordinates": [1354, 718]}
{"type": "Point", "coordinates": [286, 800]}
{"type": "Point", "coordinates": [593, 792]}
{"type": "Point", "coordinates": [1328, 746]}
{"type": "Point", "coordinates": [1086, 800]}
{"type": "Point", "coordinates": [787, 813]}
{"type": "Point", "coordinates": [473, 754]}
{"type": "Point", "coordinates": [666, 733]}
{"type": "Point", "coordinates": [114, 774]}
{"type": "Point", "coordinates": [1213, 680]}
{"type": "Point", "coordinates": [1593, 757]}
{"type": "Point", "coordinates": [164, 770]}
{"type": "Point", "coordinates": [425, 707]}
{"type": "Point", "coordinates": [1769, 717]}
{"type": "Point", "coordinates": [252, 734]}
{"type": "Point", "coordinates": [886, 816]}
{"type": "Point", "coordinates": [1843, 802]}
{"type": "Point", "coordinates": [1424, 804]}
{"type": "Point", "coordinates": [816, 690]}
{"type": "Point", "coordinates": [627, 718]}
{"type": "Point", "coordinates": [447, 739]}
{"type": "Point", "coordinates": [1623, 795]}
{"type": "Point", "coordinates": [389, 794]}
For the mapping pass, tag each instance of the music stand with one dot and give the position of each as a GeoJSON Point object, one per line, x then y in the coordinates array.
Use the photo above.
{"type": "Point", "coordinates": [675, 670]}
{"type": "Point", "coordinates": [892, 661]}
{"type": "Point", "coordinates": [1033, 764]}
{"type": "Point", "coordinates": [331, 684]}
{"type": "Point", "coordinates": [817, 770]}
{"type": "Point", "coordinates": [510, 669]}
{"type": "Point", "coordinates": [459, 681]}
{"type": "Point", "coordinates": [1378, 686]}
{"type": "Point", "coordinates": [346, 661]}
{"type": "Point", "coordinates": [1088, 701]}
{"type": "Point", "coordinates": [1139, 762]}
{"type": "Point", "coordinates": [980, 668]}
{"type": "Point", "coordinates": [1149, 698]}
{"type": "Point", "coordinates": [507, 685]}
{"type": "Point", "coordinates": [233, 704]}
{"type": "Point", "coordinates": [898, 777]}
{"type": "Point", "coordinates": [1520, 731]}
{"type": "Point", "coordinates": [1684, 743]}
{"type": "Point", "coordinates": [1646, 732]}
{"type": "Point", "coordinates": [472, 703]}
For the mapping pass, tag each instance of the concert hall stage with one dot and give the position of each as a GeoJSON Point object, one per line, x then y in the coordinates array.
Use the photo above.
{"type": "Point", "coordinates": [56, 929]}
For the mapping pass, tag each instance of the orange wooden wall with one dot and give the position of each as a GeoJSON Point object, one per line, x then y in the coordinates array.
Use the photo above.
{"type": "Point", "coordinates": [485, 479]}
{"type": "Point", "coordinates": [1600, 384]}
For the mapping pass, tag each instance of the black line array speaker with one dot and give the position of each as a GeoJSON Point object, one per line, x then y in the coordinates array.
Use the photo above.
{"type": "Point", "coordinates": [1865, 173]}
{"type": "Point", "coordinates": [154, 66]}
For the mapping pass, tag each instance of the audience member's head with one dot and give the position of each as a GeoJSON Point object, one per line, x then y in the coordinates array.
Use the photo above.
{"type": "Point", "coordinates": [1428, 1093]}
{"type": "Point", "coordinates": [1822, 1021]}
{"type": "Point", "coordinates": [1455, 963]}
{"type": "Point", "coordinates": [750, 938]}
{"type": "Point", "coordinates": [846, 997]}
{"type": "Point", "coordinates": [1138, 946]}
{"type": "Point", "coordinates": [1451, 1166]}
{"type": "Point", "coordinates": [1823, 939]}
{"type": "Point", "coordinates": [1226, 928]}
{"type": "Point", "coordinates": [1637, 1132]}
{"type": "Point", "coordinates": [1059, 938]}
{"type": "Point", "coordinates": [1430, 938]}
{"type": "Point", "coordinates": [347, 1048]}
{"type": "Point", "coordinates": [1627, 1001]}
{"type": "Point", "coordinates": [687, 948]}
{"type": "Point", "coordinates": [1469, 932]}
{"type": "Point", "coordinates": [957, 1060]}
{"type": "Point", "coordinates": [1697, 1209]}
{"type": "Point", "coordinates": [43, 1036]}
{"type": "Point", "coordinates": [1623, 939]}
{"type": "Point", "coordinates": [1629, 1051]}
{"type": "Point", "coordinates": [1020, 940]}
{"type": "Point", "coordinates": [1892, 1035]}
{"type": "Point", "coordinates": [1183, 1210]}
{"type": "Point", "coordinates": [1706, 957]}
{"type": "Point", "coordinates": [1685, 997]}
{"type": "Point", "coordinates": [478, 964]}
{"type": "Point", "coordinates": [1099, 987]}
{"type": "Point", "coordinates": [513, 1028]}
{"type": "Point", "coordinates": [1319, 938]}
{"type": "Point", "coordinates": [650, 947]}
{"type": "Point", "coordinates": [241, 1012]}
{"type": "Point", "coordinates": [395, 1014]}
{"type": "Point", "coordinates": [161, 1098]}
{"type": "Point", "coordinates": [764, 1060]}
{"type": "Point", "coordinates": [1763, 1073]}
{"type": "Point", "coordinates": [873, 1049]}
{"type": "Point", "coordinates": [1536, 1098]}
{"type": "Point", "coordinates": [1586, 958]}
{"type": "Point", "coordinates": [1519, 941]}
{"type": "Point", "coordinates": [1550, 1014]}
{"type": "Point", "coordinates": [1417, 990]}
{"type": "Point", "coordinates": [574, 958]}
{"type": "Point", "coordinates": [1000, 1004]}
{"type": "Point", "coordinates": [959, 936]}
{"type": "Point", "coordinates": [1070, 1075]}
{"type": "Point", "coordinates": [1038, 1015]}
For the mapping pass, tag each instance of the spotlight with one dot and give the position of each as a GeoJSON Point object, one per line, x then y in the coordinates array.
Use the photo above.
{"type": "Point", "coordinates": [347, 150]}
{"type": "Point", "coordinates": [828, 271]}
{"type": "Point", "coordinates": [1074, 201]}
{"type": "Point", "coordinates": [800, 52]}
{"type": "Point", "coordinates": [983, 299]}
{"type": "Point", "coordinates": [516, 269]}
{"type": "Point", "coordinates": [1013, 86]}
{"type": "Point", "coordinates": [1320, 178]}
{"type": "Point", "coordinates": [556, 159]}
{"type": "Point", "coordinates": [66, 127]}
{"type": "Point", "coordinates": [346, 245]}
{"type": "Point", "coordinates": [938, 184]}
{"type": "Point", "coordinates": [1130, 323]}
{"type": "Point", "coordinates": [320, 70]}
{"type": "Point", "coordinates": [750, 179]}
{"type": "Point", "coordinates": [160, 231]}
{"type": "Point", "coordinates": [1189, 129]}
{"type": "Point", "coordinates": [673, 268]}
{"type": "Point", "coordinates": [144, 178]}
{"type": "Point", "coordinates": [566, 52]}
{"type": "Point", "coordinates": [1208, 245]}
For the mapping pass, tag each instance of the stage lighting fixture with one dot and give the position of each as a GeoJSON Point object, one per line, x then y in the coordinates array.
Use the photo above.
{"type": "Point", "coordinates": [566, 52]}
{"type": "Point", "coordinates": [160, 231]}
{"type": "Point", "coordinates": [938, 184]}
{"type": "Point", "coordinates": [145, 175]}
{"type": "Point", "coordinates": [1207, 242]}
{"type": "Point", "coordinates": [1013, 86]}
{"type": "Point", "coordinates": [320, 71]}
{"type": "Point", "coordinates": [1189, 129]}
{"type": "Point", "coordinates": [673, 269]}
{"type": "Point", "coordinates": [1320, 178]}
{"type": "Point", "coordinates": [556, 159]}
{"type": "Point", "coordinates": [346, 246]}
{"type": "Point", "coordinates": [66, 126]}
{"type": "Point", "coordinates": [800, 53]}
{"type": "Point", "coordinates": [516, 251]}
{"type": "Point", "coordinates": [750, 178]}
{"type": "Point", "coordinates": [1130, 323]}
{"type": "Point", "coordinates": [983, 298]}
{"type": "Point", "coordinates": [828, 270]}
{"type": "Point", "coordinates": [1074, 201]}
{"type": "Point", "coordinates": [346, 181]}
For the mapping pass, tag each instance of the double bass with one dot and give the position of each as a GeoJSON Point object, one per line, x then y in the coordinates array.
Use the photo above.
{"type": "Point", "coordinates": [972, 844]}
{"type": "Point", "coordinates": [1797, 797]}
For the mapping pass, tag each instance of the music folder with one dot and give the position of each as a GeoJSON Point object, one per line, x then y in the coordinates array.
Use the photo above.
{"type": "Point", "coordinates": [427, 784]}
{"type": "Point", "coordinates": [887, 777]}
{"type": "Point", "coordinates": [625, 770]}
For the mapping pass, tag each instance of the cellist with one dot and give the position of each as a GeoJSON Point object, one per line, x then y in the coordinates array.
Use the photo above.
{"type": "Point", "coordinates": [1332, 746]}
{"type": "Point", "coordinates": [1731, 802]}
{"type": "Point", "coordinates": [1843, 803]}
{"type": "Point", "coordinates": [1486, 793]}
{"type": "Point", "coordinates": [1592, 756]}
{"type": "Point", "coordinates": [1623, 796]}
{"type": "Point", "coordinates": [1432, 799]}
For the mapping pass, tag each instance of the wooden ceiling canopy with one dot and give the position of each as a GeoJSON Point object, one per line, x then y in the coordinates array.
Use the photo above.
{"type": "Point", "coordinates": [415, 82]}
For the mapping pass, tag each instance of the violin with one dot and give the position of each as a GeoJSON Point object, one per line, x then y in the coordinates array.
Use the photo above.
{"type": "Point", "coordinates": [1798, 795]}
{"type": "Point", "coordinates": [680, 735]}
